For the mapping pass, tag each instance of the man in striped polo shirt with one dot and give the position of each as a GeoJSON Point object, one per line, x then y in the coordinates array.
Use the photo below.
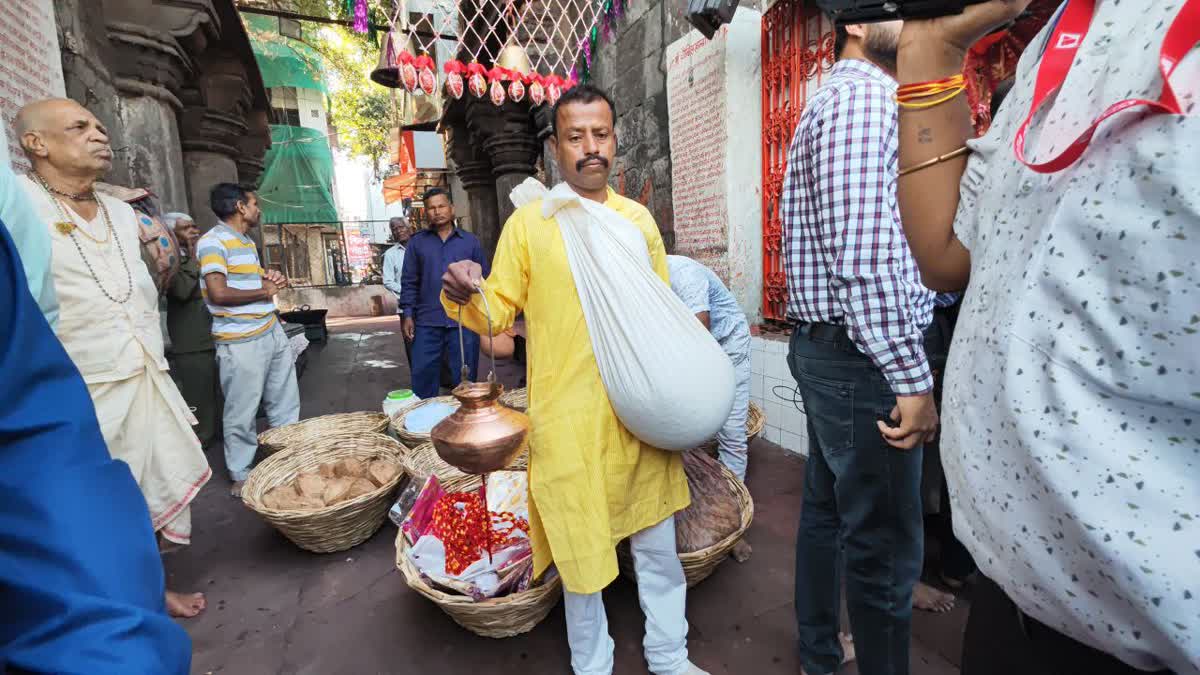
{"type": "Point", "coordinates": [255, 361]}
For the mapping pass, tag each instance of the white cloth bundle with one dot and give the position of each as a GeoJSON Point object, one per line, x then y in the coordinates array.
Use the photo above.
{"type": "Point", "coordinates": [667, 378]}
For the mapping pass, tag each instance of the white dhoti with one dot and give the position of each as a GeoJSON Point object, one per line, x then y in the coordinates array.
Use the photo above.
{"type": "Point", "coordinates": [110, 325]}
{"type": "Point", "coordinates": [147, 425]}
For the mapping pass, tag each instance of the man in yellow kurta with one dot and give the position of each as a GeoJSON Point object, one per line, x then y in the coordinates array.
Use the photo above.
{"type": "Point", "coordinates": [592, 483]}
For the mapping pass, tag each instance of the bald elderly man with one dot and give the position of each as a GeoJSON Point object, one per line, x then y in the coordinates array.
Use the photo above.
{"type": "Point", "coordinates": [108, 317]}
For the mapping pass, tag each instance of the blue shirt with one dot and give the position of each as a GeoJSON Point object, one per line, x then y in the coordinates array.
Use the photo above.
{"type": "Point", "coordinates": [393, 269]}
{"type": "Point", "coordinates": [32, 238]}
{"type": "Point", "coordinates": [702, 291]}
{"type": "Point", "coordinates": [81, 581]}
{"type": "Point", "coordinates": [425, 261]}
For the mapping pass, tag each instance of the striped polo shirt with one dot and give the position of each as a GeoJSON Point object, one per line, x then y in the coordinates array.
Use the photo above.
{"type": "Point", "coordinates": [226, 251]}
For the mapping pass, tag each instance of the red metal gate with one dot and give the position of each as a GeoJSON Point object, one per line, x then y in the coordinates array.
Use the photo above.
{"type": "Point", "coordinates": [797, 50]}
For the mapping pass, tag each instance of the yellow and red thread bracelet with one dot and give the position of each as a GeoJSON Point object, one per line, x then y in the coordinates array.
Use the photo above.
{"type": "Point", "coordinates": [946, 89]}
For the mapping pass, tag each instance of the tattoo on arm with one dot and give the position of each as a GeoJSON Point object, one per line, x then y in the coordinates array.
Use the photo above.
{"type": "Point", "coordinates": [925, 135]}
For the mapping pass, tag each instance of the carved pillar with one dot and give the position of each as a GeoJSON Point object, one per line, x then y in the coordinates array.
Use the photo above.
{"type": "Point", "coordinates": [514, 150]}
{"type": "Point", "coordinates": [506, 136]}
{"type": "Point", "coordinates": [149, 65]}
{"type": "Point", "coordinates": [213, 123]}
{"type": "Point", "coordinates": [252, 147]}
{"type": "Point", "coordinates": [474, 169]}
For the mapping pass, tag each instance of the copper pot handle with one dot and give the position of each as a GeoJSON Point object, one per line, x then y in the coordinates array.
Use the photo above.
{"type": "Point", "coordinates": [462, 349]}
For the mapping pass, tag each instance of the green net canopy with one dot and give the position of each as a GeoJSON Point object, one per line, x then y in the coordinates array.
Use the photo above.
{"type": "Point", "coordinates": [297, 175]}
{"type": "Point", "coordinates": [283, 61]}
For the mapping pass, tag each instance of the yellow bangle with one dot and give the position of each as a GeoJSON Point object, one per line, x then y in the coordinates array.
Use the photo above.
{"type": "Point", "coordinates": [936, 160]}
{"type": "Point", "coordinates": [929, 104]}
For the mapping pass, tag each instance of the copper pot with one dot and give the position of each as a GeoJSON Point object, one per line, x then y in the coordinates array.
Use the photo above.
{"type": "Point", "coordinates": [482, 436]}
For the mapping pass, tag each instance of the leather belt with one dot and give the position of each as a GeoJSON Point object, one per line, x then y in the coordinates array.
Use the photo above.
{"type": "Point", "coordinates": [819, 330]}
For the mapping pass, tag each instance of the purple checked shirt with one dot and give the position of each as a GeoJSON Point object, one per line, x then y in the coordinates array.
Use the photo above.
{"type": "Point", "coordinates": [845, 255]}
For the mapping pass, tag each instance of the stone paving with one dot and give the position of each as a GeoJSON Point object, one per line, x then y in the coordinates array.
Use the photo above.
{"type": "Point", "coordinates": [273, 608]}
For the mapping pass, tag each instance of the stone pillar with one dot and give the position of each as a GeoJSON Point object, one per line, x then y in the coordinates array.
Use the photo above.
{"type": "Point", "coordinates": [214, 123]}
{"type": "Point", "coordinates": [717, 184]}
{"type": "Point", "coordinates": [510, 142]}
{"type": "Point", "coordinates": [209, 157]}
{"type": "Point", "coordinates": [514, 151]}
{"type": "Point", "coordinates": [149, 65]}
{"type": "Point", "coordinates": [474, 171]}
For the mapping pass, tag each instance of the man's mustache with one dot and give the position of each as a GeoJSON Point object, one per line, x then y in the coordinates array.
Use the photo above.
{"type": "Point", "coordinates": [591, 158]}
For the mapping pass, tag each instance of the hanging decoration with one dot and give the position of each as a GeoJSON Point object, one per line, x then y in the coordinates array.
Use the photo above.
{"type": "Point", "coordinates": [516, 87]}
{"type": "Point", "coordinates": [408, 71]}
{"type": "Point", "coordinates": [542, 44]}
{"type": "Point", "coordinates": [454, 78]}
{"type": "Point", "coordinates": [358, 8]}
{"type": "Point", "coordinates": [476, 80]}
{"type": "Point", "coordinates": [605, 27]}
{"type": "Point", "coordinates": [496, 77]}
{"type": "Point", "coordinates": [426, 74]}
{"type": "Point", "coordinates": [537, 88]}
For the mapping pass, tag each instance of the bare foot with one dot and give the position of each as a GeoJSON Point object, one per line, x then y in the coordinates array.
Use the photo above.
{"type": "Point", "coordinates": [848, 654]}
{"type": "Point", "coordinates": [930, 599]}
{"type": "Point", "coordinates": [235, 490]}
{"type": "Point", "coordinates": [185, 605]}
{"type": "Point", "coordinates": [741, 551]}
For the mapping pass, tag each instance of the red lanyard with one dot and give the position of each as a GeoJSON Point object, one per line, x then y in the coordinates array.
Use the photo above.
{"type": "Point", "coordinates": [1072, 27]}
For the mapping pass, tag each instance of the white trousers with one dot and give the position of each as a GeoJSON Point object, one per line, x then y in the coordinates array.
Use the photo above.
{"type": "Point", "coordinates": [662, 593]}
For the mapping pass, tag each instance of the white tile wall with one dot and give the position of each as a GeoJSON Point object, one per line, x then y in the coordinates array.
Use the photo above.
{"type": "Point", "coordinates": [771, 385]}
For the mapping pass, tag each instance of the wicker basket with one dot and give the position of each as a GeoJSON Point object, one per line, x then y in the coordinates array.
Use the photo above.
{"type": "Point", "coordinates": [517, 399]}
{"type": "Point", "coordinates": [755, 421]}
{"type": "Point", "coordinates": [698, 565]}
{"type": "Point", "coordinates": [279, 438]}
{"type": "Point", "coordinates": [494, 617]}
{"type": "Point", "coordinates": [332, 528]}
{"type": "Point", "coordinates": [407, 437]}
{"type": "Point", "coordinates": [423, 461]}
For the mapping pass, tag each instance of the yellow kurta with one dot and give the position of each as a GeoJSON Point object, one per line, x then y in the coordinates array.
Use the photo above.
{"type": "Point", "coordinates": [591, 482]}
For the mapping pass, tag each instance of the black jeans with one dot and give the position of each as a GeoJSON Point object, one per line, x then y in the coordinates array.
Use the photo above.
{"type": "Point", "coordinates": [862, 511]}
{"type": "Point", "coordinates": [1001, 640]}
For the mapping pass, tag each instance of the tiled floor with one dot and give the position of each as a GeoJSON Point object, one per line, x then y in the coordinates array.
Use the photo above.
{"type": "Point", "coordinates": [276, 609]}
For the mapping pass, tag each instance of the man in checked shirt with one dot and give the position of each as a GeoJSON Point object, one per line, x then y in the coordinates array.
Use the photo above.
{"type": "Point", "coordinates": [860, 314]}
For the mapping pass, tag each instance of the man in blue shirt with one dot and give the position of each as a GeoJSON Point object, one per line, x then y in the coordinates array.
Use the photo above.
{"type": "Point", "coordinates": [434, 335]}
{"type": "Point", "coordinates": [81, 582]}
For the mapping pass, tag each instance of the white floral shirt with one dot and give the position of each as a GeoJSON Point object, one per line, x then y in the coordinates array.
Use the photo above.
{"type": "Point", "coordinates": [1072, 396]}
